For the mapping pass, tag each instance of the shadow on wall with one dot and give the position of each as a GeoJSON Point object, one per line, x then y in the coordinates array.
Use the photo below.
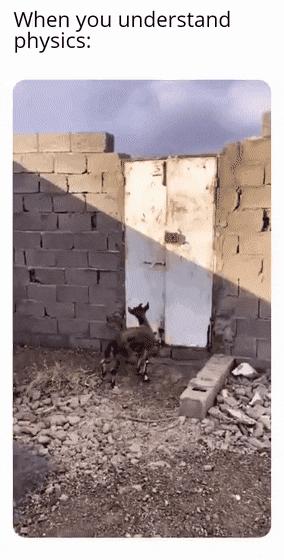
{"type": "Point", "coordinates": [69, 276]}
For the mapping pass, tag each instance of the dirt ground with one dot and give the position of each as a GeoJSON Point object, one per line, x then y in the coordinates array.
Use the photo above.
{"type": "Point", "coordinates": [92, 462]}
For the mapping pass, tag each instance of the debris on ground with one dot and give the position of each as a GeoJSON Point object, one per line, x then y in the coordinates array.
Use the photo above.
{"type": "Point", "coordinates": [89, 449]}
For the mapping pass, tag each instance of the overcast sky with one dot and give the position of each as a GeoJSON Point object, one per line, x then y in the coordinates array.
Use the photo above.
{"type": "Point", "coordinates": [146, 117]}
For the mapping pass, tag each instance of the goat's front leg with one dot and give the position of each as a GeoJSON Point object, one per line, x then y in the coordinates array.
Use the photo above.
{"type": "Point", "coordinates": [142, 365]}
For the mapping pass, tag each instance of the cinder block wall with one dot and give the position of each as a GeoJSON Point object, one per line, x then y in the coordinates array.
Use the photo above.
{"type": "Point", "coordinates": [68, 239]}
{"type": "Point", "coordinates": [242, 243]}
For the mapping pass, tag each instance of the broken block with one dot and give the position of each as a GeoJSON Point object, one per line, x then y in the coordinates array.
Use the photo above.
{"type": "Point", "coordinates": [202, 390]}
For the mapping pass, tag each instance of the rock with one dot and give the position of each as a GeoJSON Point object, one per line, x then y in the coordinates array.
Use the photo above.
{"type": "Point", "coordinates": [246, 370]}
{"type": "Point", "coordinates": [24, 531]}
{"type": "Point", "coordinates": [230, 401]}
{"type": "Point", "coordinates": [57, 419]}
{"type": "Point", "coordinates": [163, 464]}
{"type": "Point", "coordinates": [256, 411]}
{"type": "Point", "coordinates": [42, 451]}
{"type": "Point", "coordinates": [73, 437]}
{"type": "Point", "coordinates": [106, 428]}
{"type": "Point", "coordinates": [84, 399]}
{"type": "Point", "coordinates": [31, 430]}
{"type": "Point", "coordinates": [256, 399]}
{"type": "Point", "coordinates": [137, 487]}
{"type": "Point", "coordinates": [135, 448]}
{"type": "Point", "coordinates": [73, 420]}
{"type": "Point", "coordinates": [73, 402]}
{"type": "Point", "coordinates": [265, 421]}
{"type": "Point", "coordinates": [258, 431]}
{"type": "Point", "coordinates": [225, 393]}
{"type": "Point", "coordinates": [240, 391]}
{"type": "Point", "coordinates": [44, 440]}
{"type": "Point", "coordinates": [256, 443]}
{"type": "Point", "coordinates": [208, 468]}
{"type": "Point", "coordinates": [110, 439]}
{"type": "Point", "coordinates": [240, 416]}
{"type": "Point", "coordinates": [25, 415]}
{"type": "Point", "coordinates": [216, 413]}
{"type": "Point", "coordinates": [64, 498]}
{"type": "Point", "coordinates": [116, 460]}
{"type": "Point", "coordinates": [35, 394]}
{"type": "Point", "coordinates": [61, 435]}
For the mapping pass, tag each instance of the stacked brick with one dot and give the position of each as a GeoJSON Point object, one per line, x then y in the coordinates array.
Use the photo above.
{"type": "Point", "coordinates": [68, 238]}
{"type": "Point", "coordinates": [242, 244]}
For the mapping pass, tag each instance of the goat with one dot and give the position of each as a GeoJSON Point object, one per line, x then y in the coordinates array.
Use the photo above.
{"type": "Point", "coordinates": [140, 340]}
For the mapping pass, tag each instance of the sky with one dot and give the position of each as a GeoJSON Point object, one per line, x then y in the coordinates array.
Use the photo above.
{"type": "Point", "coordinates": [146, 117]}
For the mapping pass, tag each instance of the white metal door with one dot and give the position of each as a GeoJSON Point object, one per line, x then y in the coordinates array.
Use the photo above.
{"type": "Point", "coordinates": [145, 218]}
{"type": "Point", "coordinates": [188, 279]}
{"type": "Point", "coordinates": [169, 213]}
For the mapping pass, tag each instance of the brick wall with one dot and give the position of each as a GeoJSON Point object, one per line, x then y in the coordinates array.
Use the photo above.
{"type": "Point", "coordinates": [68, 239]}
{"type": "Point", "coordinates": [69, 243]}
{"type": "Point", "coordinates": [242, 244]}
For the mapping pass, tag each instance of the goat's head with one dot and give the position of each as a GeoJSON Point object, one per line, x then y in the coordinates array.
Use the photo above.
{"type": "Point", "coordinates": [139, 311]}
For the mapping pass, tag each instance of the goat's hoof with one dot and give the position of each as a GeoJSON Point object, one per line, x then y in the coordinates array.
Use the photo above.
{"type": "Point", "coordinates": [146, 379]}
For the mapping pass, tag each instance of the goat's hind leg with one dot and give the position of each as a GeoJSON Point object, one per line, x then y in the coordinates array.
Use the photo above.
{"type": "Point", "coordinates": [114, 371]}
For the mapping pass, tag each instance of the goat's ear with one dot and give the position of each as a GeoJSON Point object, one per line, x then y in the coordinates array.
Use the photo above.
{"type": "Point", "coordinates": [146, 306]}
{"type": "Point", "coordinates": [130, 310]}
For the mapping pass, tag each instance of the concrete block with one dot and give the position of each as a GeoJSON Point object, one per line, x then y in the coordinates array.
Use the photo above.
{"type": "Point", "coordinates": [113, 183]}
{"type": "Point", "coordinates": [256, 244]}
{"type": "Point", "coordinates": [60, 309]}
{"type": "Point", "coordinates": [36, 163]}
{"type": "Point", "coordinates": [39, 292]}
{"type": "Point", "coordinates": [26, 183]}
{"type": "Point", "coordinates": [256, 149]}
{"type": "Point", "coordinates": [88, 343]}
{"type": "Point", "coordinates": [104, 260]}
{"type": "Point", "coordinates": [256, 197]}
{"type": "Point", "coordinates": [250, 175]}
{"type": "Point", "coordinates": [100, 330]}
{"type": "Point", "coordinates": [19, 293]}
{"type": "Point", "coordinates": [30, 307]}
{"type": "Point", "coordinates": [87, 183]}
{"type": "Point", "coordinates": [201, 392]}
{"type": "Point", "coordinates": [47, 275]}
{"type": "Point", "coordinates": [73, 326]}
{"type": "Point", "coordinates": [115, 241]}
{"type": "Point", "coordinates": [267, 174]}
{"type": "Point", "coordinates": [91, 312]}
{"type": "Point", "coordinates": [266, 124]}
{"type": "Point", "coordinates": [71, 258]}
{"type": "Point", "coordinates": [108, 279]}
{"type": "Point", "coordinates": [70, 163]}
{"type": "Point", "coordinates": [245, 220]}
{"type": "Point", "coordinates": [19, 257]}
{"type": "Point", "coordinates": [32, 221]}
{"type": "Point", "coordinates": [53, 183]}
{"type": "Point", "coordinates": [81, 276]}
{"type": "Point", "coordinates": [40, 257]}
{"type": "Point", "coordinates": [25, 143]}
{"type": "Point", "coordinates": [227, 163]}
{"type": "Point", "coordinates": [38, 202]}
{"type": "Point", "coordinates": [92, 142]}
{"type": "Point", "coordinates": [241, 266]}
{"type": "Point", "coordinates": [99, 294]}
{"type": "Point", "coordinates": [54, 142]}
{"type": "Point", "coordinates": [35, 324]}
{"type": "Point", "coordinates": [57, 240]}
{"type": "Point", "coordinates": [264, 309]}
{"type": "Point", "coordinates": [264, 349]}
{"type": "Point", "coordinates": [107, 223]}
{"type": "Point", "coordinates": [72, 294]}
{"type": "Point", "coordinates": [245, 346]}
{"type": "Point", "coordinates": [227, 199]}
{"type": "Point", "coordinates": [106, 203]}
{"type": "Point", "coordinates": [54, 340]}
{"type": "Point", "coordinates": [20, 275]}
{"type": "Point", "coordinates": [230, 245]}
{"type": "Point", "coordinates": [258, 328]}
{"type": "Point", "coordinates": [69, 203]}
{"type": "Point", "coordinates": [104, 163]}
{"type": "Point", "coordinates": [74, 222]}
{"type": "Point", "coordinates": [94, 240]}
{"type": "Point", "coordinates": [17, 203]}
